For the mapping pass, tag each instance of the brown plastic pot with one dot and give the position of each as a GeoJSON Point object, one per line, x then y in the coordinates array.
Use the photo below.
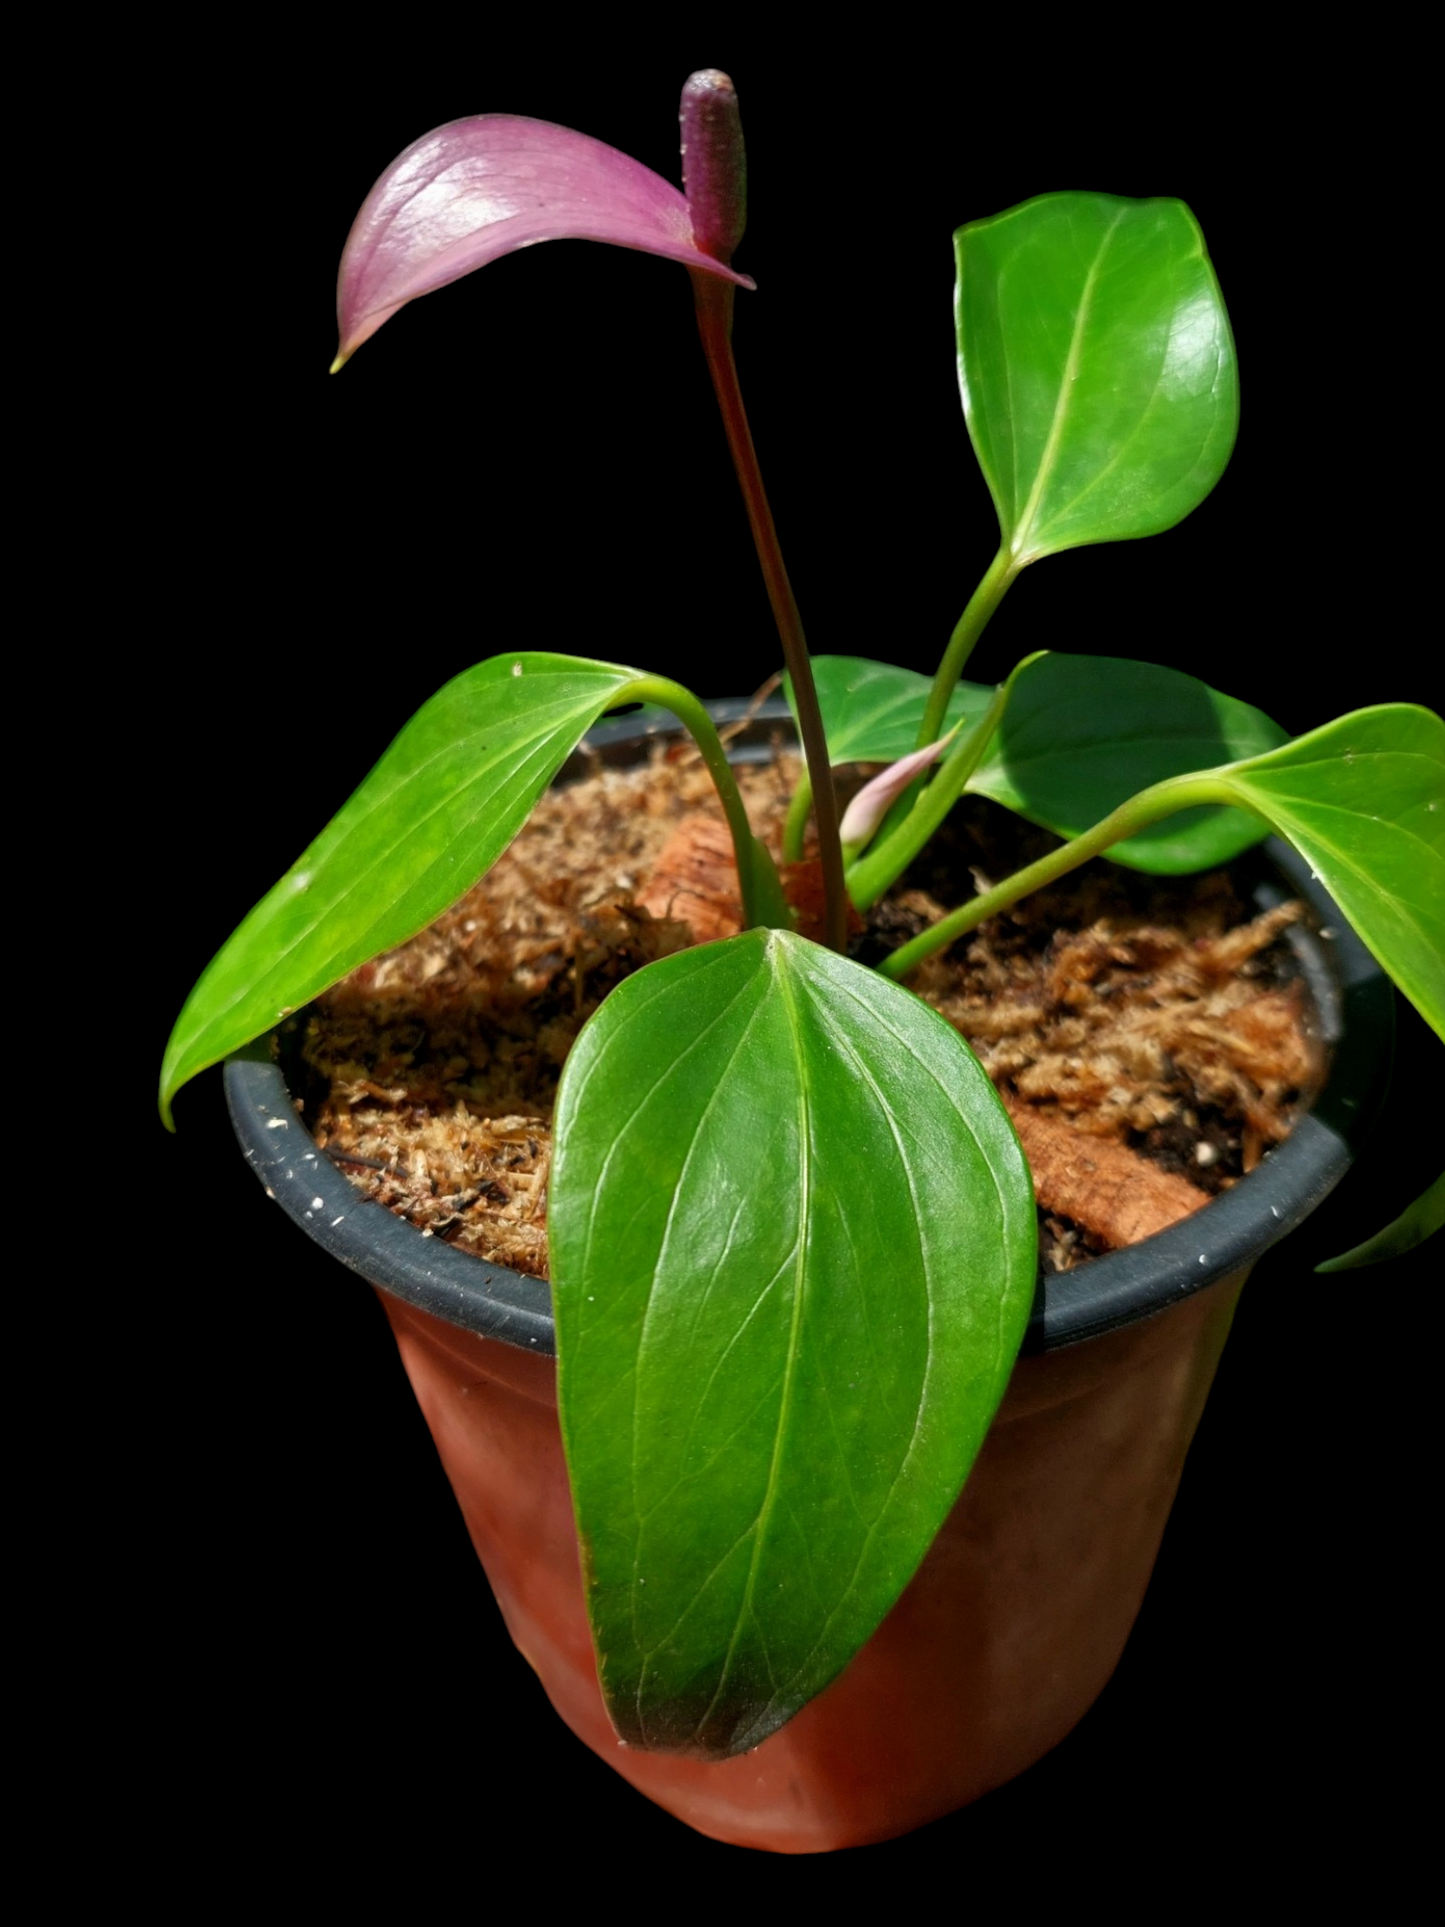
{"type": "Point", "coordinates": [1021, 1609]}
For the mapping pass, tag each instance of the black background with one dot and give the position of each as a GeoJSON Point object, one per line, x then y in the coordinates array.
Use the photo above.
{"type": "Point", "coordinates": [530, 459]}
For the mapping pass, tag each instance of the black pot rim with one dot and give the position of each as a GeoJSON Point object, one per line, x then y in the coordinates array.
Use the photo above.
{"type": "Point", "coordinates": [1355, 1005]}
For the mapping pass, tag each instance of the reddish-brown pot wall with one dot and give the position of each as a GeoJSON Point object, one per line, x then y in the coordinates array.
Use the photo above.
{"type": "Point", "coordinates": [1004, 1638]}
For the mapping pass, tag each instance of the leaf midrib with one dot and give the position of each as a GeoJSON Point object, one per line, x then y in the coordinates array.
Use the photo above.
{"type": "Point", "coordinates": [777, 960]}
{"type": "Point", "coordinates": [1017, 540]}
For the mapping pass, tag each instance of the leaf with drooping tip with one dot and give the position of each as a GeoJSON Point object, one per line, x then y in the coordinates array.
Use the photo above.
{"type": "Point", "coordinates": [437, 811]}
{"type": "Point", "coordinates": [479, 188]}
{"type": "Point", "coordinates": [1363, 798]}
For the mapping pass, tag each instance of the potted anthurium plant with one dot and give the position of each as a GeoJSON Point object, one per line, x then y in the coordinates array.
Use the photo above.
{"type": "Point", "coordinates": [791, 1227]}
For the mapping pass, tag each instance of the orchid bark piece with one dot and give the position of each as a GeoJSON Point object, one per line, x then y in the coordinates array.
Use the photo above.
{"type": "Point", "coordinates": [476, 189]}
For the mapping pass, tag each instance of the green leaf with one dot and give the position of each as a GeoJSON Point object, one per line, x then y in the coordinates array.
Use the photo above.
{"type": "Point", "coordinates": [1082, 734]}
{"type": "Point", "coordinates": [1363, 799]}
{"type": "Point", "coordinates": [1416, 1223]}
{"type": "Point", "coordinates": [872, 710]}
{"type": "Point", "coordinates": [792, 1239]}
{"type": "Point", "coordinates": [439, 808]}
{"type": "Point", "coordinates": [1097, 367]}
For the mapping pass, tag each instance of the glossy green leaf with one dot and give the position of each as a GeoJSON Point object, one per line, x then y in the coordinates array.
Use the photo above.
{"type": "Point", "coordinates": [438, 809]}
{"type": "Point", "coordinates": [1363, 799]}
{"type": "Point", "coordinates": [1097, 367]}
{"type": "Point", "coordinates": [1417, 1222]}
{"type": "Point", "coordinates": [1082, 734]}
{"type": "Point", "coordinates": [872, 710]}
{"type": "Point", "coordinates": [792, 1239]}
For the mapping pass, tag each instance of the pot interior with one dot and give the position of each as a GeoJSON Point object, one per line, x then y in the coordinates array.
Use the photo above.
{"type": "Point", "coordinates": [1353, 1017]}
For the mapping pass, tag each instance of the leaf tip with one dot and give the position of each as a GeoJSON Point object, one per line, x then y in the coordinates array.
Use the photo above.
{"type": "Point", "coordinates": [342, 357]}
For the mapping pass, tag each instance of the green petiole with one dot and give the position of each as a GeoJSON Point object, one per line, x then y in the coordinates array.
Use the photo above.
{"type": "Point", "coordinates": [758, 880]}
{"type": "Point", "coordinates": [1159, 800]}
{"type": "Point", "coordinates": [997, 580]}
{"type": "Point", "coordinates": [795, 824]}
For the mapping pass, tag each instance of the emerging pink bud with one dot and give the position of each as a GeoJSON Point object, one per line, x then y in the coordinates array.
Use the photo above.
{"type": "Point", "coordinates": [872, 803]}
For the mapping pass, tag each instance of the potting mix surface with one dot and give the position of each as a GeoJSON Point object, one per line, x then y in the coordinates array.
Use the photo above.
{"type": "Point", "coordinates": [1150, 1037]}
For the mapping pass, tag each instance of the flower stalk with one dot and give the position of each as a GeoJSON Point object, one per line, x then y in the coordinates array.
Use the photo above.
{"type": "Point", "coordinates": [715, 182]}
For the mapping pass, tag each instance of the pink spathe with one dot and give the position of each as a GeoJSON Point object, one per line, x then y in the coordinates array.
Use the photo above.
{"type": "Point", "coordinates": [482, 187]}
